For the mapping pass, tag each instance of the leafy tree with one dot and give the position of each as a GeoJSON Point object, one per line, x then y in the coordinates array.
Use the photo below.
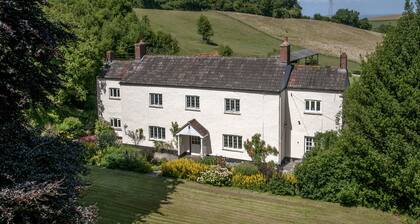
{"type": "Point", "coordinates": [105, 135]}
{"type": "Point", "coordinates": [375, 161]}
{"type": "Point", "coordinates": [318, 16]}
{"type": "Point", "coordinates": [347, 17]}
{"type": "Point", "coordinates": [174, 130]}
{"type": "Point", "coordinates": [225, 50]}
{"type": "Point", "coordinates": [258, 150]}
{"type": "Point", "coordinates": [204, 28]}
{"type": "Point", "coordinates": [71, 128]}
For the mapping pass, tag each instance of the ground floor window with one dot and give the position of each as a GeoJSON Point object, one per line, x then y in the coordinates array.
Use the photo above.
{"type": "Point", "coordinates": [115, 122]}
{"type": "Point", "coordinates": [157, 133]}
{"type": "Point", "coordinates": [195, 140]}
{"type": "Point", "coordinates": [309, 143]}
{"type": "Point", "coordinates": [232, 142]}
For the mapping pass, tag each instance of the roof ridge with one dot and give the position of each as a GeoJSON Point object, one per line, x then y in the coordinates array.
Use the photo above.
{"type": "Point", "coordinates": [198, 56]}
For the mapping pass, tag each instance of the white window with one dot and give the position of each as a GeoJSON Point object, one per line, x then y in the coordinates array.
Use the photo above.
{"type": "Point", "coordinates": [232, 142]}
{"type": "Point", "coordinates": [313, 106]}
{"type": "Point", "coordinates": [115, 122]}
{"type": "Point", "coordinates": [195, 140]}
{"type": "Point", "coordinates": [192, 102]}
{"type": "Point", "coordinates": [156, 99]}
{"type": "Point", "coordinates": [309, 144]}
{"type": "Point", "coordinates": [232, 106]}
{"type": "Point", "coordinates": [157, 133]}
{"type": "Point", "coordinates": [114, 93]}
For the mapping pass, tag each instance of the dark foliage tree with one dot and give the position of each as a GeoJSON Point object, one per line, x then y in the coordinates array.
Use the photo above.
{"type": "Point", "coordinates": [375, 161]}
{"type": "Point", "coordinates": [39, 176]}
{"type": "Point", "coordinates": [351, 18]}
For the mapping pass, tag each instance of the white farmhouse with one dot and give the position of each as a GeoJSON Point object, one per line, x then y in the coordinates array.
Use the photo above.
{"type": "Point", "coordinates": [220, 102]}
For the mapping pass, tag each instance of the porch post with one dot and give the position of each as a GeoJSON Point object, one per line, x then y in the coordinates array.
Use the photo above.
{"type": "Point", "coordinates": [179, 148]}
{"type": "Point", "coordinates": [201, 147]}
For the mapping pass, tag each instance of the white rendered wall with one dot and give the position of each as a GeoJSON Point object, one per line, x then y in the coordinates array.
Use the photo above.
{"type": "Point", "coordinates": [111, 107]}
{"type": "Point", "coordinates": [300, 124]}
{"type": "Point", "coordinates": [259, 113]}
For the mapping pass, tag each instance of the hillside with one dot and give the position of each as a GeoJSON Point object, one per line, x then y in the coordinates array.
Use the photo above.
{"type": "Point", "coordinates": [247, 39]}
{"type": "Point", "coordinates": [385, 18]}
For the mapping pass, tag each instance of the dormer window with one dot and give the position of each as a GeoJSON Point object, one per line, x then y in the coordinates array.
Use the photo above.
{"type": "Point", "coordinates": [114, 93]}
{"type": "Point", "coordinates": [313, 106]}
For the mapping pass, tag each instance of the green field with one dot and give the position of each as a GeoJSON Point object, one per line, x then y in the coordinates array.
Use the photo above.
{"type": "Point", "coordinates": [377, 23]}
{"type": "Point", "coordinates": [243, 38]}
{"type": "Point", "coordinates": [123, 197]}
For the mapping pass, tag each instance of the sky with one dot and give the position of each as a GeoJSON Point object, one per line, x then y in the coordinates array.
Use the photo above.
{"type": "Point", "coordinates": [365, 7]}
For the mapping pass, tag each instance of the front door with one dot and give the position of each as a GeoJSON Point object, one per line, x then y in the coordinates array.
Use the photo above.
{"type": "Point", "coordinates": [195, 145]}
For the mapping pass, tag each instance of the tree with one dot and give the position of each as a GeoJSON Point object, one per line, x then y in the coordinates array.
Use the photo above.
{"type": "Point", "coordinates": [174, 130]}
{"type": "Point", "coordinates": [204, 28]}
{"type": "Point", "coordinates": [225, 50]}
{"type": "Point", "coordinates": [347, 17]}
{"type": "Point", "coordinates": [375, 161]}
{"type": "Point", "coordinates": [136, 136]}
{"type": "Point", "coordinates": [258, 150]}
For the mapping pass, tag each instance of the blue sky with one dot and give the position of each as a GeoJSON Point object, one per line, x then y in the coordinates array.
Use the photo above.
{"type": "Point", "coordinates": [365, 7]}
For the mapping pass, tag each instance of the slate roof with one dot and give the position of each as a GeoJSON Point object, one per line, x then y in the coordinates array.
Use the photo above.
{"type": "Point", "coordinates": [262, 74]}
{"type": "Point", "coordinates": [318, 78]}
{"type": "Point", "coordinates": [197, 126]}
{"type": "Point", "coordinates": [232, 73]}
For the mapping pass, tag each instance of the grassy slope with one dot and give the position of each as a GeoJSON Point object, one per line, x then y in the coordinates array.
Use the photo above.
{"type": "Point", "coordinates": [243, 38]}
{"type": "Point", "coordinates": [326, 37]}
{"type": "Point", "coordinates": [122, 196]}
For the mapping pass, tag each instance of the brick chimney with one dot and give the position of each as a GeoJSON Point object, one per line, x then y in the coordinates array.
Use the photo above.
{"type": "Point", "coordinates": [285, 51]}
{"type": "Point", "coordinates": [140, 50]}
{"type": "Point", "coordinates": [110, 56]}
{"type": "Point", "coordinates": [343, 61]}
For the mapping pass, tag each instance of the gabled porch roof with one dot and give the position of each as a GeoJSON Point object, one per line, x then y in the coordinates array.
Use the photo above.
{"type": "Point", "coordinates": [193, 128]}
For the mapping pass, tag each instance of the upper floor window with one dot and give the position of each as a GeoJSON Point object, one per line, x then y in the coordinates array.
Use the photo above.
{"type": "Point", "coordinates": [313, 106]}
{"type": "Point", "coordinates": [157, 133]}
{"type": "Point", "coordinates": [192, 102]}
{"type": "Point", "coordinates": [114, 93]}
{"type": "Point", "coordinates": [232, 105]}
{"type": "Point", "coordinates": [115, 122]}
{"type": "Point", "coordinates": [232, 142]}
{"type": "Point", "coordinates": [309, 144]}
{"type": "Point", "coordinates": [156, 99]}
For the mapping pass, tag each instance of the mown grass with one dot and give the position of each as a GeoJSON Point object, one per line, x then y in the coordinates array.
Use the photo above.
{"type": "Point", "coordinates": [245, 39]}
{"type": "Point", "coordinates": [123, 197]}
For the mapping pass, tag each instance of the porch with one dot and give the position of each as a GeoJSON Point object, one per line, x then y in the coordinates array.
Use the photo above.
{"type": "Point", "coordinates": [193, 139]}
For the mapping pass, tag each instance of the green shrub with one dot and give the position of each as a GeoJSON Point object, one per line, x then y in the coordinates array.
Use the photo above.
{"type": "Point", "coordinates": [225, 50]}
{"type": "Point", "coordinates": [348, 196]}
{"type": "Point", "coordinates": [121, 157]}
{"type": "Point", "coordinates": [282, 184]}
{"type": "Point", "coordinates": [105, 135]}
{"type": "Point", "coordinates": [71, 128]}
{"type": "Point", "coordinates": [246, 169]}
{"type": "Point", "coordinates": [254, 182]}
{"type": "Point", "coordinates": [183, 168]}
{"type": "Point", "coordinates": [216, 176]}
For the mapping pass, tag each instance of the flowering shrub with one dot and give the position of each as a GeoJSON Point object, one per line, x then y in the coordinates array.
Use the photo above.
{"type": "Point", "coordinates": [253, 182]}
{"type": "Point", "coordinates": [183, 168]}
{"type": "Point", "coordinates": [216, 176]}
{"type": "Point", "coordinates": [282, 184]}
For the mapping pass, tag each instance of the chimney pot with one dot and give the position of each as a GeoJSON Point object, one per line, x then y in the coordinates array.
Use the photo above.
{"type": "Point", "coordinates": [343, 61]}
{"type": "Point", "coordinates": [285, 51]}
{"type": "Point", "coordinates": [110, 56]}
{"type": "Point", "coordinates": [140, 50]}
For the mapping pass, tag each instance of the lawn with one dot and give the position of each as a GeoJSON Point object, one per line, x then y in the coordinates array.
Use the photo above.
{"type": "Point", "coordinates": [243, 36]}
{"type": "Point", "coordinates": [123, 197]}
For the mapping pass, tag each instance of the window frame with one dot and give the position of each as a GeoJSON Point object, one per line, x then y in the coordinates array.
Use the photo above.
{"type": "Point", "coordinates": [156, 100]}
{"type": "Point", "coordinates": [111, 95]}
{"type": "Point", "coordinates": [234, 105]}
{"type": "Point", "coordinates": [234, 142]}
{"type": "Point", "coordinates": [306, 140]}
{"type": "Point", "coordinates": [115, 122]}
{"type": "Point", "coordinates": [155, 131]}
{"type": "Point", "coordinates": [315, 104]}
{"type": "Point", "coordinates": [194, 140]}
{"type": "Point", "coordinates": [192, 99]}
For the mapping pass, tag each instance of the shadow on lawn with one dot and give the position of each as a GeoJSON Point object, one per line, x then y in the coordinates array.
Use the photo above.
{"type": "Point", "coordinates": [124, 197]}
{"type": "Point", "coordinates": [160, 195]}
